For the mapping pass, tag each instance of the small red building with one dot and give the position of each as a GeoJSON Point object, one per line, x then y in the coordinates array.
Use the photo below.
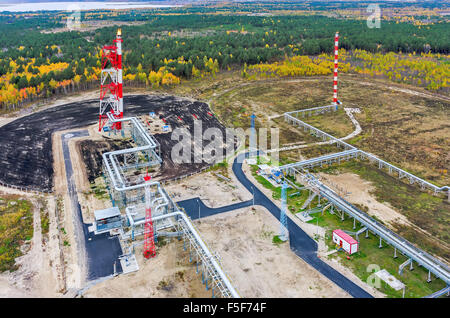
{"type": "Point", "coordinates": [345, 241]}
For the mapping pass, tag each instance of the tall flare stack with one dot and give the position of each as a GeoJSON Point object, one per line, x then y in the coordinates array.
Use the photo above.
{"type": "Point", "coordinates": [118, 42]}
{"type": "Point", "coordinates": [111, 82]}
{"type": "Point", "coordinates": [335, 79]}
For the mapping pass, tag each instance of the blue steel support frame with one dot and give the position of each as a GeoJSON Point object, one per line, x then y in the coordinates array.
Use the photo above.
{"type": "Point", "coordinates": [284, 233]}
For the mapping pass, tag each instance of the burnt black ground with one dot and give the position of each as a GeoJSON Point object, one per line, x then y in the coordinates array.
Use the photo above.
{"type": "Point", "coordinates": [26, 157]}
{"type": "Point", "coordinates": [92, 151]}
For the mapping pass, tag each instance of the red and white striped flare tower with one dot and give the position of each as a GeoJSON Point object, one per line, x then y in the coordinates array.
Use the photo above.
{"type": "Point", "coordinates": [111, 82]}
{"type": "Point", "coordinates": [335, 79]}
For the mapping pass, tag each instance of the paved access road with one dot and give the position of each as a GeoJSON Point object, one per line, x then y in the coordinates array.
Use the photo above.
{"type": "Point", "coordinates": [101, 251]}
{"type": "Point", "coordinates": [191, 206]}
{"type": "Point", "coordinates": [300, 242]}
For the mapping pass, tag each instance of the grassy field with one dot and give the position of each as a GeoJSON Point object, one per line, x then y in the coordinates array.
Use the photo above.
{"type": "Point", "coordinates": [369, 253]}
{"type": "Point", "coordinates": [16, 226]}
{"type": "Point", "coordinates": [427, 212]}
{"type": "Point", "coordinates": [405, 129]}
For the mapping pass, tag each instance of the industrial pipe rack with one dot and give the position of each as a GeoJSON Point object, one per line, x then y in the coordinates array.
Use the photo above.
{"type": "Point", "coordinates": [213, 276]}
{"type": "Point", "coordinates": [123, 193]}
{"type": "Point", "coordinates": [351, 151]}
{"type": "Point", "coordinates": [438, 268]}
{"type": "Point", "coordinates": [424, 259]}
{"type": "Point", "coordinates": [116, 164]}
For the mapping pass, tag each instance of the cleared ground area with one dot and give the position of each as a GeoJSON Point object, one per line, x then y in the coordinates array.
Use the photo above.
{"type": "Point", "coordinates": [243, 239]}
{"type": "Point", "coordinates": [26, 158]}
{"type": "Point", "coordinates": [257, 266]}
{"type": "Point", "coordinates": [169, 274]}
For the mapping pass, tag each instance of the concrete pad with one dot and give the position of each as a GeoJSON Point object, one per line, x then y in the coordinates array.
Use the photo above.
{"type": "Point", "coordinates": [390, 280]}
{"type": "Point", "coordinates": [129, 264]}
{"type": "Point", "coordinates": [303, 218]}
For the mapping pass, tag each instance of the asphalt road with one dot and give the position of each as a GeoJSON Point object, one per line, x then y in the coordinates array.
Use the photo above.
{"type": "Point", "coordinates": [300, 242]}
{"type": "Point", "coordinates": [101, 251]}
{"type": "Point", "coordinates": [191, 206]}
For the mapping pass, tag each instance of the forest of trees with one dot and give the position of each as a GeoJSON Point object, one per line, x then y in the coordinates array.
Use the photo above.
{"type": "Point", "coordinates": [168, 48]}
{"type": "Point", "coordinates": [431, 71]}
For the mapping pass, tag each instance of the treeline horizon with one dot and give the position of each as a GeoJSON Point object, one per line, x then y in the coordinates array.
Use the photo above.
{"type": "Point", "coordinates": [202, 42]}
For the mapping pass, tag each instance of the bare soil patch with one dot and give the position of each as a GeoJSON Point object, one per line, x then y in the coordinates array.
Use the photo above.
{"type": "Point", "coordinates": [213, 191]}
{"type": "Point", "coordinates": [258, 267]}
{"type": "Point", "coordinates": [168, 274]}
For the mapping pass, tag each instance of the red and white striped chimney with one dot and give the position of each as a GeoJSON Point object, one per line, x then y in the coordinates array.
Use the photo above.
{"type": "Point", "coordinates": [119, 71]}
{"type": "Point", "coordinates": [335, 80]}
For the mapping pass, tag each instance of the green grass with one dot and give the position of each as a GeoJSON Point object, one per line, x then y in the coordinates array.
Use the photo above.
{"type": "Point", "coordinates": [277, 241]}
{"type": "Point", "coordinates": [16, 226]}
{"type": "Point", "coordinates": [370, 253]}
{"type": "Point", "coordinates": [45, 219]}
{"type": "Point", "coordinates": [428, 212]}
{"type": "Point", "coordinates": [294, 202]}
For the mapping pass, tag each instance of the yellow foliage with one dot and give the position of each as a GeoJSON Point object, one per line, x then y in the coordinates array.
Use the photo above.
{"type": "Point", "coordinates": [170, 79]}
{"type": "Point", "coordinates": [295, 66]}
{"type": "Point", "coordinates": [55, 67]}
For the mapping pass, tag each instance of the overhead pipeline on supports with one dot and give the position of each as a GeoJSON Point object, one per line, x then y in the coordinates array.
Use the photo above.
{"type": "Point", "coordinates": [435, 266]}
{"type": "Point", "coordinates": [350, 151]}
{"type": "Point", "coordinates": [163, 208]}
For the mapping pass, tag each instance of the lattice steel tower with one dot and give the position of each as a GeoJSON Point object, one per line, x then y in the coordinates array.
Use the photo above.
{"type": "Point", "coordinates": [149, 238]}
{"type": "Point", "coordinates": [111, 82]}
